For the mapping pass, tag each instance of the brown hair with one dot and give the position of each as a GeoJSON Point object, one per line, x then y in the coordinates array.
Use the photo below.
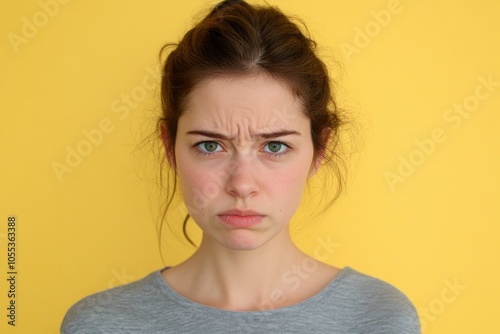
{"type": "Point", "coordinates": [236, 38]}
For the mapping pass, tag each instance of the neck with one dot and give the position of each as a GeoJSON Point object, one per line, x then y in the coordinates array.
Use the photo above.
{"type": "Point", "coordinates": [242, 279]}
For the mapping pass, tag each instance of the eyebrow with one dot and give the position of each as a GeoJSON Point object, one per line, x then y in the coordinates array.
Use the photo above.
{"type": "Point", "coordinates": [268, 135]}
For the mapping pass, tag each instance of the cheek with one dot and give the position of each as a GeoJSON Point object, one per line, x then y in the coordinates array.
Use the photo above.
{"type": "Point", "coordinates": [199, 185]}
{"type": "Point", "coordinates": [286, 188]}
{"type": "Point", "coordinates": [194, 186]}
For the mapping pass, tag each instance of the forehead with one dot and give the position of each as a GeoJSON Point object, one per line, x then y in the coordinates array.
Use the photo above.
{"type": "Point", "coordinates": [255, 99]}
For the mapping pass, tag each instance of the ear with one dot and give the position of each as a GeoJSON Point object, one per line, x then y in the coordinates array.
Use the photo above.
{"type": "Point", "coordinates": [319, 157]}
{"type": "Point", "coordinates": [169, 148]}
{"type": "Point", "coordinates": [315, 164]}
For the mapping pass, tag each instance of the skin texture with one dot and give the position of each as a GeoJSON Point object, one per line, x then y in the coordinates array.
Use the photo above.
{"type": "Point", "coordinates": [244, 143]}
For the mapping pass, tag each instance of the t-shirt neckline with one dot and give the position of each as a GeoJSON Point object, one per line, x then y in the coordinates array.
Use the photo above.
{"type": "Point", "coordinates": [325, 292]}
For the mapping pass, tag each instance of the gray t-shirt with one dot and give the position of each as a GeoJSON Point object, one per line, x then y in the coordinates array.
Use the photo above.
{"type": "Point", "coordinates": [351, 303]}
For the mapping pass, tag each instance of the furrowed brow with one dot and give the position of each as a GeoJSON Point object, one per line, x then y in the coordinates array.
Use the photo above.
{"type": "Point", "coordinates": [269, 135]}
{"type": "Point", "coordinates": [209, 134]}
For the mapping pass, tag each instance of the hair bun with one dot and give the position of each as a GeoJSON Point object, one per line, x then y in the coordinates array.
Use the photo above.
{"type": "Point", "coordinates": [225, 4]}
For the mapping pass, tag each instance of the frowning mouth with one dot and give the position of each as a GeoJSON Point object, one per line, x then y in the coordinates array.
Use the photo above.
{"type": "Point", "coordinates": [241, 218]}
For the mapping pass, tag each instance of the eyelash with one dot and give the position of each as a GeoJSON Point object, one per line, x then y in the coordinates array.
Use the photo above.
{"type": "Point", "coordinates": [273, 155]}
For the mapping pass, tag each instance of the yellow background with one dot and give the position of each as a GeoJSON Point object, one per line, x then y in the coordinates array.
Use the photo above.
{"type": "Point", "coordinates": [94, 227]}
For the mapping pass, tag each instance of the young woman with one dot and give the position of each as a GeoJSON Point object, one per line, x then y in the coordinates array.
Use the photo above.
{"type": "Point", "coordinates": [248, 117]}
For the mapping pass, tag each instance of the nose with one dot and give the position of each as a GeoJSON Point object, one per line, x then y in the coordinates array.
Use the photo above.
{"type": "Point", "coordinates": [242, 178]}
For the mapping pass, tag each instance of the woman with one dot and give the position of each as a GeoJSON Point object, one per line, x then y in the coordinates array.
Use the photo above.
{"type": "Point", "coordinates": [248, 118]}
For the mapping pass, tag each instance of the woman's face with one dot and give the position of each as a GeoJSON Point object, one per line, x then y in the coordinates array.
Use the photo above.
{"type": "Point", "coordinates": [243, 152]}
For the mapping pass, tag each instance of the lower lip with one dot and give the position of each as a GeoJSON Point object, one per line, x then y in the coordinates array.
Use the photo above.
{"type": "Point", "coordinates": [241, 221]}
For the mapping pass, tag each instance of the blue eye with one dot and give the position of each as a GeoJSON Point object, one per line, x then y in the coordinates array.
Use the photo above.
{"type": "Point", "coordinates": [276, 148]}
{"type": "Point", "coordinates": [208, 147]}
{"type": "Point", "coordinates": [273, 148]}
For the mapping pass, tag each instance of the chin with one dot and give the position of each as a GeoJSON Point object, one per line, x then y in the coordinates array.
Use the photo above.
{"type": "Point", "coordinates": [242, 240]}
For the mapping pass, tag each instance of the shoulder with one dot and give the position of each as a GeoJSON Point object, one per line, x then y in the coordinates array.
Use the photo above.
{"type": "Point", "coordinates": [377, 305]}
{"type": "Point", "coordinates": [111, 307]}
